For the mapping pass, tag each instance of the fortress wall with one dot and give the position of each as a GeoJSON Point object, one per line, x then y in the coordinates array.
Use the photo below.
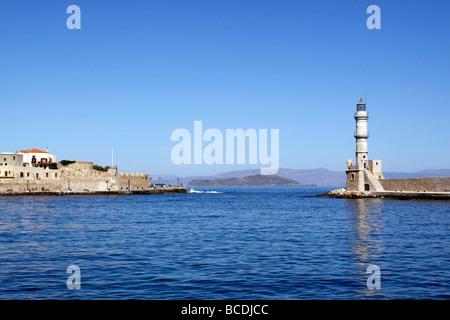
{"type": "Point", "coordinates": [76, 184]}
{"type": "Point", "coordinates": [417, 184]}
{"type": "Point", "coordinates": [91, 184]}
{"type": "Point", "coordinates": [101, 174]}
{"type": "Point", "coordinates": [21, 185]}
{"type": "Point", "coordinates": [132, 174]}
{"type": "Point", "coordinates": [78, 176]}
{"type": "Point", "coordinates": [137, 181]}
{"type": "Point", "coordinates": [82, 167]}
{"type": "Point", "coordinates": [103, 183]}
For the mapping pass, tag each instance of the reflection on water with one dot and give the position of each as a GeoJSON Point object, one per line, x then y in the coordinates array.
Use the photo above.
{"type": "Point", "coordinates": [365, 216]}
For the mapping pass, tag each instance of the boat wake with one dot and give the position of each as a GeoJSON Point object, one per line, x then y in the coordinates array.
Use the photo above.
{"type": "Point", "coordinates": [197, 191]}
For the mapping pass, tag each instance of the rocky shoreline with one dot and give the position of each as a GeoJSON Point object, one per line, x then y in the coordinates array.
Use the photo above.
{"type": "Point", "coordinates": [343, 193]}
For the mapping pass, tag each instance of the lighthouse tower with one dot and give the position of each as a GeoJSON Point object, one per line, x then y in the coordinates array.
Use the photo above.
{"type": "Point", "coordinates": [364, 175]}
{"type": "Point", "coordinates": [361, 134]}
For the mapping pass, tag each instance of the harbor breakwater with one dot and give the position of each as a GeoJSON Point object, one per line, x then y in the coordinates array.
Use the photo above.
{"type": "Point", "coordinates": [162, 190]}
{"type": "Point", "coordinates": [405, 195]}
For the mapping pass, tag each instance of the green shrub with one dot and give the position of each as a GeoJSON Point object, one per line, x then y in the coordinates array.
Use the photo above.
{"type": "Point", "coordinates": [100, 168]}
{"type": "Point", "coordinates": [66, 162]}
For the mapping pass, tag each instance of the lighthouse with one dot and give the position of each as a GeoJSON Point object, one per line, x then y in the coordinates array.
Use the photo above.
{"type": "Point", "coordinates": [364, 175]}
{"type": "Point", "coordinates": [361, 134]}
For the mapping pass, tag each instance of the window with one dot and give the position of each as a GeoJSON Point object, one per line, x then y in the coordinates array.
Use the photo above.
{"type": "Point", "coordinates": [56, 175]}
{"type": "Point", "coordinates": [21, 174]}
{"type": "Point", "coordinates": [360, 107]}
{"type": "Point", "coordinates": [37, 175]}
{"type": "Point", "coordinates": [28, 174]}
{"type": "Point", "coordinates": [46, 174]}
{"type": "Point", "coordinates": [366, 187]}
{"type": "Point", "coordinates": [14, 158]}
{"type": "Point", "coordinates": [6, 173]}
{"type": "Point", "coordinates": [352, 177]}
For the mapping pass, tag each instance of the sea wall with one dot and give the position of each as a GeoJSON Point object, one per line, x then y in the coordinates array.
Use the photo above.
{"type": "Point", "coordinates": [135, 180]}
{"type": "Point", "coordinates": [84, 184]}
{"type": "Point", "coordinates": [404, 195]}
{"type": "Point", "coordinates": [94, 193]}
{"type": "Point", "coordinates": [76, 183]}
{"type": "Point", "coordinates": [34, 185]}
{"type": "Point", "coordinates": [417, 184]}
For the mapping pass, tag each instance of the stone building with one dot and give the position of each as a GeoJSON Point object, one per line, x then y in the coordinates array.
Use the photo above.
{"type": "Point", "coordinates": [36, 157]}
{"type": "Point", "coordinates": [12, 166]}
{"type": "Point", "coordinates": [367, 176]}
{"type": "Point", "coordinates": [37, 170]}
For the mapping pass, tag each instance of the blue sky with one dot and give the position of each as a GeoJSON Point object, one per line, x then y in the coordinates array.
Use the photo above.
{"type": "Point", "coordinates": [138, 70]}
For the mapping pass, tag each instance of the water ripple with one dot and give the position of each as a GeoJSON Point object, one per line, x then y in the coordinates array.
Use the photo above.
{"type": "Point", "coordinates": [238, 243]}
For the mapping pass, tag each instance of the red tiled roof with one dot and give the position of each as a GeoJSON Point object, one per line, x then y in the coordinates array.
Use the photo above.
{"type": "Point", "coordinates": [32, 151]}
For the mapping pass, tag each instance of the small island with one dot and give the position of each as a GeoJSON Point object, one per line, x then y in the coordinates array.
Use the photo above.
{"type": "Point", "coordinates": [248, 181]}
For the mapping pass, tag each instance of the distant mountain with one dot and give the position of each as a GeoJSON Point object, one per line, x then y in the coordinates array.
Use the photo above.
{"type": "Point", "coordinates": [319, 176]}
{"type": "Point", "coordinates": [229, 174]}
{"type": "Point", "coordinates": [248, 181]}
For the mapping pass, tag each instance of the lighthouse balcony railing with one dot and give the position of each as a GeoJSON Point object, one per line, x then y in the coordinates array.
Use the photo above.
{"type": "Point", "coordinates": [356, 114]}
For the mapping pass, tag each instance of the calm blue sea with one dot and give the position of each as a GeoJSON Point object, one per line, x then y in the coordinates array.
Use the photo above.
{"type": "Point", "coordinates": [234, 243]}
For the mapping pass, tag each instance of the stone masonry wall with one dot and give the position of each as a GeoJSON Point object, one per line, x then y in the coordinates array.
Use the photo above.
{"type": "Point", "coordinates": [78, 176]}
{"type": "Point", "coordinates": [417, 184]}
{"type": "Point", "coordinates": [115, 183]}
{"type": "Point", "coordinates": [137, 180]}
{"type": "Point", "coordinates": [34, 185]}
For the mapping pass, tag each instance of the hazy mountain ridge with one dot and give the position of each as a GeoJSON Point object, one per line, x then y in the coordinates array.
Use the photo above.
{"type": "Point", "coordinates": [319, 176]}
{"type": "Point", "coordinates": [248, 181]}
